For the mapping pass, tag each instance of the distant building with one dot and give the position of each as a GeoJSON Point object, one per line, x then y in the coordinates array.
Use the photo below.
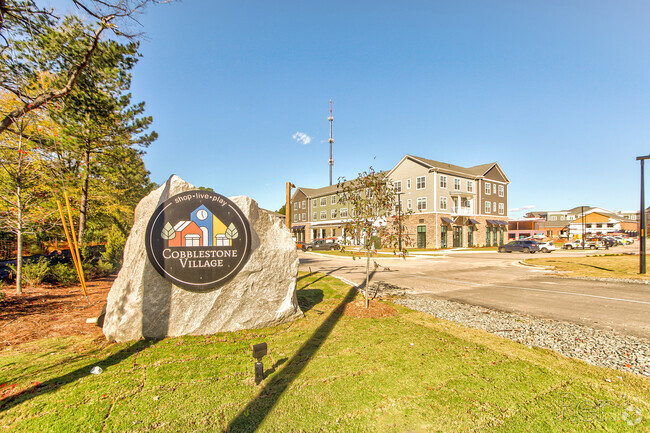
{"type": "Point", "coordinates": [592, 221]}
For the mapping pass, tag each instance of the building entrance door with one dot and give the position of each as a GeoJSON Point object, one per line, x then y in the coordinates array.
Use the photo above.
{"type": "Point", "coordinates": [422, 236]}
{"type": "Point", "coordinates": [458, 236]}
{"type": "Point", "coordinates": [443, 236]}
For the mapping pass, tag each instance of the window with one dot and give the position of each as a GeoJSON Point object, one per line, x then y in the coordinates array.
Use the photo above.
{"type": "Point", "coordinates": [295, 218]}
{"type": "Point", "coordinates": [443, 203]}
{"type": "Point", "coordinates": [420, 182]}
{"type": "Point", "coordinates": [422, 203]}
{"type": "Point", "coordinates": [610, 225]}
{"type": "Point", "coordinates": [494, 206]}
{"type": "Point", "coordinates": [501, 209]}
{"type": "Point", "coordinates": [408, 183]}
{"type": "Point", "coordinates": [443, 181]}
{"type": "Point", "coordinates": [333, 199]}
{"type": "Point", "coordinates": [409, 204]}
{"type": "Point", "coordinates": [488, 207]}
{"type": "Point", "coordinates": [398, 186]}
{"type": "Point", "coordinates": [553, 218]}
{"type": "Point", "coordinates": [599, 226]}
{"type": "Point", "coordinates": [323, 201]}
{"type": "Point", "coordinates": [470, 186]}
{"type": "Point", "coordinates": [295, 205]}
{"type": "Point", "coordinates": [323, 215]}
{"type": "Point", "coordinates": [304, 217]}
{"type": "Point", "coordinates": [488, 188]}
{"type": "Point", "coordinates": [315, 216]}
{"type": "Point", "coordinates": [314, 203]}
{"type": "Point", "coordinates": [333, 213]}
{"type": "Point", "coordinates": [344, 212]}
{"type": "Point", "coordinates": [501, 191]}
{"type": "Point", "coordinates": [457, 184]}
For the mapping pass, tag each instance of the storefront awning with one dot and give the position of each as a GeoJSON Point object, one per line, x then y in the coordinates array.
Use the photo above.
{"type": "Point", "coordinates": [297, 227]}
{"type": "Point", "coordinates": [473, 221]}
{"type": "Point", "coordinates": [446, 220]}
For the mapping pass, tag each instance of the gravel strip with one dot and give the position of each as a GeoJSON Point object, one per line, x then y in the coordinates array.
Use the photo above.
{"type": "Point", "coordinates": [603, 348]}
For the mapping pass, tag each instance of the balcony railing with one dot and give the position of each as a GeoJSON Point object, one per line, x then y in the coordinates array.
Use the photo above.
{"type": "Point", "coordinates": [456, 210]}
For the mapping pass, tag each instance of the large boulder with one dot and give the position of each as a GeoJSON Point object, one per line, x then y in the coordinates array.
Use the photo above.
{"type": "Point", "coordinates": [141, 303]}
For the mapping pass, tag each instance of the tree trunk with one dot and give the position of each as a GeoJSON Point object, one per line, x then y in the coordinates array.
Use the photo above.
{"type": "Point", "coordinates": [19, 259]}
{"type": "Point", "coordinates": [19, 222]}
{"type": "Point", "coordinates": [365, 292]}
{"type": "Point", "coordinates": [83, 205]}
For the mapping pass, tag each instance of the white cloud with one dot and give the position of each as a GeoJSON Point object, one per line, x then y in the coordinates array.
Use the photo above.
{"type": "Point", "coordinates": [301, 137]}
{"type": "Point", "coordinates": [519, 209]}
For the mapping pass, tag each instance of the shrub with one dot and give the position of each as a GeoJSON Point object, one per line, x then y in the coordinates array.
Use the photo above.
{"type": "Point", "coordinates": [34, 272]}
{"type": "Point", "coordinates": [63, 273]}
{"type": "Point", "coordinates": [114, 253]}
{"type": "Point", "coordinates": [100, 269]}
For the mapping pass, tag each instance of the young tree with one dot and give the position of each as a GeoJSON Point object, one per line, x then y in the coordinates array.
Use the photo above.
{"type": "Point", "coordinates": [25, 198]}
{"type": "Point", "coordinates": [374, 214]}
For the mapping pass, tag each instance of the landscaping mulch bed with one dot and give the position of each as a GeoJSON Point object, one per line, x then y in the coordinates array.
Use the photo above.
{"type": "Point", "coordinates": [375, 310]}
{"type": "Point", "coordinates": [51, 311]}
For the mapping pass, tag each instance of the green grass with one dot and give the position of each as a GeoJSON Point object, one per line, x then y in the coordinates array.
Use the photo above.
{"type": "Point", "coordinates": [596, 266]}
{"type": "Point", "coordinates": [326, 372]}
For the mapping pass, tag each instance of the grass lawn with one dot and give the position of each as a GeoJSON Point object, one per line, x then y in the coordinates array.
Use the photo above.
{"type": "Point", "coordinates": [326, 372]}
{"type": "Point", "coordinates": [614, 266]}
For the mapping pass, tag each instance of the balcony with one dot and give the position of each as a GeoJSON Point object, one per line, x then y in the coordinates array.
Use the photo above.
{"type": "Point", "coordinates": [461, 210]}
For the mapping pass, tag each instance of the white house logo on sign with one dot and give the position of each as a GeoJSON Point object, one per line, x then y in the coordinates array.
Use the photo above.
{"type": "Point", "coordinates": [198, 240]}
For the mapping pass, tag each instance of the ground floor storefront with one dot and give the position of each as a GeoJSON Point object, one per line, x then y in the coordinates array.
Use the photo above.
{"type": "Point", "coordinates": [446, 231]}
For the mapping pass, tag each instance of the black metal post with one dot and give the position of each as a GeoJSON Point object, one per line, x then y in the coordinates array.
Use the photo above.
{"type": "Point", "coordinates": [642, 223]}
{"type": "Point", "coordinates": [584, 227]}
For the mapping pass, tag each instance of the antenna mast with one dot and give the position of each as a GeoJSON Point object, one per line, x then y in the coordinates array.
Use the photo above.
{"type": "Point", "coordinates": [331, 141]}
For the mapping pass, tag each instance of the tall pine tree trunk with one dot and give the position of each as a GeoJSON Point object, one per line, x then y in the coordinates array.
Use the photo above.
{"type": "Point", "coordinates": [83, 206]}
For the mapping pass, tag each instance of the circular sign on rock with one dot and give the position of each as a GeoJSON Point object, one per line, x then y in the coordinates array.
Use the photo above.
{"type": "Point", "coordinates": [198, 240]}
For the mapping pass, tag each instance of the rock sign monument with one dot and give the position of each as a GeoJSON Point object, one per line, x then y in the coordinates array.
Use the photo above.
{"type": "Point", "coordinates": [199, 263]}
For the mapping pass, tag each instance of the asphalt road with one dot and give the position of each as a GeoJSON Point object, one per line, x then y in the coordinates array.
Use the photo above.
{"type": "Point", "coordinates": [499, 282]}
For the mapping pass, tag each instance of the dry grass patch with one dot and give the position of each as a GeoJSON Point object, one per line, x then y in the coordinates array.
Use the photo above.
{"type": "Point", "coordinates": [597, 266]}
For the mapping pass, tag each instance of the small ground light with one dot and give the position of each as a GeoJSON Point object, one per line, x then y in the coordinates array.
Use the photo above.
{"type": "Point", "coordinates": [259, 350]}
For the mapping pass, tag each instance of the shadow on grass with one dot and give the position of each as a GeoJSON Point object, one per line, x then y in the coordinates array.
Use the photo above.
{"type": "Point", "coordinates": [53, 385]}
{"type": "Point", "coordinates": [252, 416]}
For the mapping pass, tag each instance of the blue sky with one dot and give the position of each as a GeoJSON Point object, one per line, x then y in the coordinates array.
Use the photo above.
{"type": "Point", "coordinates": [557, 92]}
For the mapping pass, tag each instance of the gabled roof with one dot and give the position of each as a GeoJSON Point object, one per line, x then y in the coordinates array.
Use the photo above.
{"type": "Point", "coordinates": [317, 192]}
{"type": "Point", "coordinates": [476, 171]}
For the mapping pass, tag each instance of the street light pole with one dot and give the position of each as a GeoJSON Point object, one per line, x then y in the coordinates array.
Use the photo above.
{"type": "Point", "coordinates": [642, 215]}
{"type": "Point", "coordinates": [584, 227]}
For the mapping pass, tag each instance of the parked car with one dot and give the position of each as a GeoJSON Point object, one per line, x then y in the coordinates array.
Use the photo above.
{"type": "Point", "coordinates": [546, 247]}
{"type": "Point", "coordinates": [525, 246]}
{"type": "Point", "coordinates": [609, 241]}
{"type": "Point", "coordinates": [573, 244]}
{"type": "Point", "coordinates": [624, 241]}
{"type": "Point", "coordinates": [593, 244]}
{"type": "Point", "coordinates": [322, 244]}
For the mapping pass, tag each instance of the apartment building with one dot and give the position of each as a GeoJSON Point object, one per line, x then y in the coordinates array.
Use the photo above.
{"type": "Point", "coordinates": [452, 206]}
